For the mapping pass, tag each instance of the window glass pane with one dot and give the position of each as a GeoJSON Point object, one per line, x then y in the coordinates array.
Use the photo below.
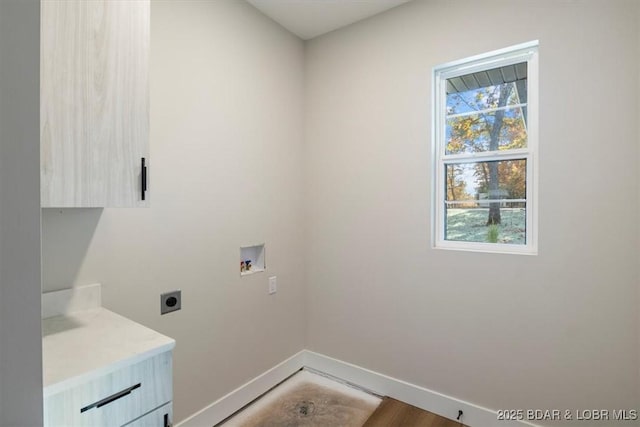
{"type": "Point", "coordinates": [487, 110]}
{"type": "Point", "coordinates": [486, 202]}
{"type": "Point", "coordinates": [490, 131]}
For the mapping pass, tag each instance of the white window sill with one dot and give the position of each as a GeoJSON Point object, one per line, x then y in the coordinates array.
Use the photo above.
{"type": "Point", "coordinates": [493, 248]}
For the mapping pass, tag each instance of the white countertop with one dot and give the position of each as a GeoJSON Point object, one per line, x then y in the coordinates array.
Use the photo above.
{"type": "Point", "coordinates": [81, 346]}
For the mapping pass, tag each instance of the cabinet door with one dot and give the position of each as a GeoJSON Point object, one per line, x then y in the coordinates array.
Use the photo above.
{"type": "Point", "coordinates": [161, 417]}
{"type": "Point", "coordinates": [114, 399]}
{"type": "Point", "coordinates": [94, 87]}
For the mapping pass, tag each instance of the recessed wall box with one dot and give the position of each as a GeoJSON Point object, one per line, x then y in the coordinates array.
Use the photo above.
{"type": "Point", "coordinates": [252, 259]}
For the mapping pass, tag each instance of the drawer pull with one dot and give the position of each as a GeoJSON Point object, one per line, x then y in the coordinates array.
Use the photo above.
{"type": "Point", "coordinates": [113, 397]}
{"type": "Point", "coordinates": [143, 174]}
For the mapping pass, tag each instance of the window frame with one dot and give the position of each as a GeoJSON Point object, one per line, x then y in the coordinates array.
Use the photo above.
{"type": "Point", "coordinates": [525, 52]}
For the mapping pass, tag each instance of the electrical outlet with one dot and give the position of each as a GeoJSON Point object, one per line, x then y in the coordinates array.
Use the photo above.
{"type": "Point", "coordinates": [273, 285]}
{"type": "Point", "coordinates": [170, 301]}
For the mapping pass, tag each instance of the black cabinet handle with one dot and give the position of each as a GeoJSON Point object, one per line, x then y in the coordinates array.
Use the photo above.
{"type": "Point", "coordinates": [113, 397]}
{"type": "Point", "coordinates": [144, 178]}
{"type": "Point", "coordinates": [167, 422]}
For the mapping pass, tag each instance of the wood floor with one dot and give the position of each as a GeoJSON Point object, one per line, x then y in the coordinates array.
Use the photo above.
{"type": "Point", "coordinates": [392, 413]}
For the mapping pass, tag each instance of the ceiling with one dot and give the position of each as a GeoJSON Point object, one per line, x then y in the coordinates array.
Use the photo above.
{"type": "Point", "coordinates": [310, 18]}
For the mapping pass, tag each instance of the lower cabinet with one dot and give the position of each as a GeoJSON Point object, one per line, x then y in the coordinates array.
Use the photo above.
{"type": "Point", "coordinates": [127, 396]}
{"type": "Point", "coordinates": [161, 417]}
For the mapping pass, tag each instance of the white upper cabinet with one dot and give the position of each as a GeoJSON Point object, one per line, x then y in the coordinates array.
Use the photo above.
{"type": "Point", "coordinates": [94, 88]}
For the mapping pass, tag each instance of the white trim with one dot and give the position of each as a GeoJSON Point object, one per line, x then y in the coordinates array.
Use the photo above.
{"type": "Point", "coordinates": [533, 132]}
{"type": "Point", "coordinates": [429, 400]}
{"type": "Point", "coordinates": [526, 52]}
{"type": "Point", "coordinates": [245, 394]}
{"type": "Point", "coordinates": [486, 110]}
{"type": "Point", "coordinates": [421, 397]}
{"type": "Point", "coordinates": [484, 60]}
{"type": "Point", "coordinates": [461, 202]}
{"type": "Point", "coordinates": [436, 167]}
{"type": "Point", "coordinates": [493, 248]}
{"type": "Point", "coordinates": [487, 156]}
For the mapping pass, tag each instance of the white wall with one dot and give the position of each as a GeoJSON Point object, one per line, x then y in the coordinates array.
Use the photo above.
{"type": "Point", "coordinates": [557, 330]}
{"type": "Point", "coordinates": [20, 288]}
{"type": "Point", "coordinates": [225, 171]}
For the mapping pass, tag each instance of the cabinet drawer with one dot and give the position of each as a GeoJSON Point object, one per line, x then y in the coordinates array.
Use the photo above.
{"type": "Point", "coordinates": [114, 399]}
{"type": "Point", "coordinates": [161, 417]}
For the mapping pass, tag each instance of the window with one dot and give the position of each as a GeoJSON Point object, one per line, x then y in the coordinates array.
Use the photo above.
{"type": "Point", "coordinates": [485, 152]}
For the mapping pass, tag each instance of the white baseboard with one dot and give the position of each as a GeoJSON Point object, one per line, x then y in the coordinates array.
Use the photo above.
{"type": "Point", "coordinates": [438, 403]}
{"type": "Point", "coordinates": [227, 405]}
{"type": "Point", "coordinates": [429, 400]}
